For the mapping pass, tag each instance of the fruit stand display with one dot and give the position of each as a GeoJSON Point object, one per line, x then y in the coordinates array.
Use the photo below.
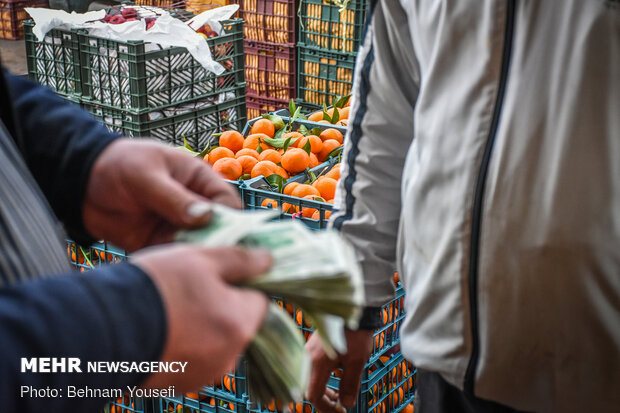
{"type": "Point", "coordinates": [12, 16]}
{"type": "Point", "coordinates": [142, 89]}
{"type": "Point", "coordinates": [330, 34]}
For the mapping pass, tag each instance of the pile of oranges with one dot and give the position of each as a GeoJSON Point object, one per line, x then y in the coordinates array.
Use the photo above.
{"type": "Point", "coordinates": [238, 157]}
{"type": "Point", "coordinates": [322, 189]}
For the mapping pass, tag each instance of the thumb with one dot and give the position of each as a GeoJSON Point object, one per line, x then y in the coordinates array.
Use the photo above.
{"type": "Point", "coordinates": [177, 204]}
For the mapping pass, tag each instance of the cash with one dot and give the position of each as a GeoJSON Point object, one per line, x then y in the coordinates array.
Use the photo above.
{"type": "Point", "coordinates": [316, 271]}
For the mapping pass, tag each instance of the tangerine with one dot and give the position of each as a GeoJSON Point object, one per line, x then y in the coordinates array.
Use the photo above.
{"type": "Point", "coordinates": [302, 190]}
{"type": "Point", "coordinates": [295, 160]}
{"type": "Point", "coordinates": [270, 155]}
{"type": "Point", "coordinates": [263, 126]}
{"type": "Point", "coordinates": [232, 140]}
{"type": "Point", "coordinates": [255, 140]}
{"type": "Point", "coordinates": [331, 133]}
{"type": "Point", "coordinates": [269, 203]}
{"type": "Point", "coordinates": [229, 168]}
{"type": "Point", "coordinates": [334, 172]}
{"type": "Point", "coordinates": [289, 188]}
{"type": "Point", "coordinates": [326, 186]}
{"type": "Point", "coordinates": [264, 168]}
{"type": "Point", "coordinates": [314, 161]}
{"type": "Point", "coordinates": [248, 152]}
{"type": "Point", "coordinates": [247, 163]}
{"type": "Point", "coordinates": [316, 144]}
{"type": "Point", "coordinates": [219, 153]}
{"type": "Point", "coordinates": [328, 146]}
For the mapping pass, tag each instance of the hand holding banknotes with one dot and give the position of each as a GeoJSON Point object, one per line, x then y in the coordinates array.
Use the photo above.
{"type": "Point", "coordinates": [209, 322]}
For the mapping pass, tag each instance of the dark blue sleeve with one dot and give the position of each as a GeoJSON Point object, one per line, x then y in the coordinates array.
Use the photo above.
{"type": "Point", "coordinates": [113, 313]}
{"type": "Point", "coordinates": [60, 142]}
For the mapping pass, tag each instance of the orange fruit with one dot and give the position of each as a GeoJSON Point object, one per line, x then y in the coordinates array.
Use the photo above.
{"type": "Point", "coordinates": [264, 168]}
{"type": "Point", "coordinates": [344, 113]}
{"type": "Point", "coordinates": [326, 186]}
{"type": "Point", "coordinates": [307, 211]}
{"type": "Point", "coordinates": [282, 172]}
{"type": "Point", "coordinates": [254, 140]}
{"type": "Point", "coordinates": [314, 161]}
{"type": "Point", "coordinates": [331, 133]}
{"type": "Point", "coordinates": [247, 163]}
{"type": "Point", "coordinates": [316, 116]}
{"type": "Point", "coordinates": [232, 140]}
{"type": "Point", "coordinates": [342, 122]}
{"type": "Point", "coordinates": [295, 160]}
{"type": "Point", "coordinates": [269, 203]}
{"type": "Point", "coordinates": [229, 383]}
{"type": "Point", "coordinates": [219, 153]}
{"type": "Point", "coordinates": [328, 146]}
{"type": "Point", "coordinates": [263, 126]}
{"type": "Point", "coordinates": [302, 190]}
{"type": "Point", "coordinates": [334, 172]}
{"type": "Point", "coordinates": [229, 168]}
{"type": "Point", "coordinates": [289, 188]}
{"type": "Point", "coordinates": [289, 208]}
{"type": "Point", "coordinates": [396, 278]}
{"type": "Point", "coordinates": [248, 152]}
{"type": "Point", "coordinates": [317, 215]}
{"type": "Point", "coordinates": [316, 144]}
{"type": "Point", "coordinates": [408, 408]}
{"type": "Point", "coordinates": [295, 136]}
{"type": "Point", "coordinates": [324, 121]}
{"type": "Point", "coordinates": [270, 155]}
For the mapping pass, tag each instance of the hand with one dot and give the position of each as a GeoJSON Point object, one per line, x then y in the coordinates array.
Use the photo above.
{"type": "Point", "coordinates": [210, 322]}
{"type": "Point", "coordinates": [141, 192]}
{"type": "Point", "coordinates": [324, 399]}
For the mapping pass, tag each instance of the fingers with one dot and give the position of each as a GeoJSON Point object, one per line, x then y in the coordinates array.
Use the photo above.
{"type": "Point", "coordinates": [236, 264]}
{"type": "Point", "coordinates": [177, 204]}
{"type": "Point", "coordinates": [206, 182]}
{"type": "Point", "coordinates": [322, 367]}
{"type": "Point", "coordinates": [350, 384]}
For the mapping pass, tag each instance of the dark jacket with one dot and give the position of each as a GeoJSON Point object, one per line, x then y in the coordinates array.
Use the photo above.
{"type": "Point", "coordinates": [113, 313]}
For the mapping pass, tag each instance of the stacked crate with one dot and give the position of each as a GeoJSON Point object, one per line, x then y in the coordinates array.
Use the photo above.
{"type": "Point", "coordinates": [270, 60]}
{"type": "Point", "coordinates": [12, 16]}
{"type": "Point", "coordinates": [329, 36]}
{"type": "Point", "coordinates": [143, 90]}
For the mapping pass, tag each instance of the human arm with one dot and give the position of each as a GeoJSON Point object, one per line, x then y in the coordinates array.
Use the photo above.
{"type": "Point", "coordinates": [59, 142]}
{"type": "Point", "coordinates": [368, 194]}
{"type": "Point", "coordinates": [184, 310]}
{"type": "Point", "coordinates": [132, 192]}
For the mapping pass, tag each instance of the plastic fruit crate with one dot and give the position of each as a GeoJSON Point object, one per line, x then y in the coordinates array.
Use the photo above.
{"type": "Point", "coordinates": [128, 404]}
{"type": "Point", "coordinates": [55, 61]}
{"type": "Point", "coordinates": [12, 16]}
{"type": "Point", "coordinates": [140, 76]}
{"type": "Point", "coordinates": [323, 76]}
{"type": "Point", "coordinates": [164, 4]}
{"type": "Point", "coordinates": [256, 196]}
{"type": "Point", "coordinates": [196, 121]}
{"type": "Point", "coordinates": [270, 21]}
{"type": "Point", "coordinates": [258, 105]}
{"type": "Point", "coordinates": [323, 26]}
{"type": "Point", "coordinates": [101, 252]}
{"type": "Point", "coordinates": [270, 70]}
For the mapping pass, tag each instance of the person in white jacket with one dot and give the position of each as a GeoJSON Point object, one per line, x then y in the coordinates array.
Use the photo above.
{"type": "Point", "coordinates": [482, 161]}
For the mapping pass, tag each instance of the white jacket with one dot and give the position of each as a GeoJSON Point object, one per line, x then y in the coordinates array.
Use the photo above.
{"type": "Point", "coordinates": [483, 156]}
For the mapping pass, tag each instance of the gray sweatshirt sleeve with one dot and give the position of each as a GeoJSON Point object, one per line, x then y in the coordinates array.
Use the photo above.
{"type": "Point", "coordinates": [380, 132]}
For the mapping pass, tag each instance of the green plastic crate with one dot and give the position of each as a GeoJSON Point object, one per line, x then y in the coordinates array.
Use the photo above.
{"type": "Point", "coordinates": [323, 26]}
{"type": "Point", "coordinates": [55, 61]}
{"type": "Point", "coordinates": [101, 252]}
{"type": "Point", "coordinates": [140, 77]}
{"type": "Point", "coordinates": [196, 121]}
{"type": "Point", "coordinates": [323, 76]}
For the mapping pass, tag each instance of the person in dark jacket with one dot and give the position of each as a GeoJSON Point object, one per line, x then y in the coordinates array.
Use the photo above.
{"type": "Point", "coordinates": [168, 303]}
